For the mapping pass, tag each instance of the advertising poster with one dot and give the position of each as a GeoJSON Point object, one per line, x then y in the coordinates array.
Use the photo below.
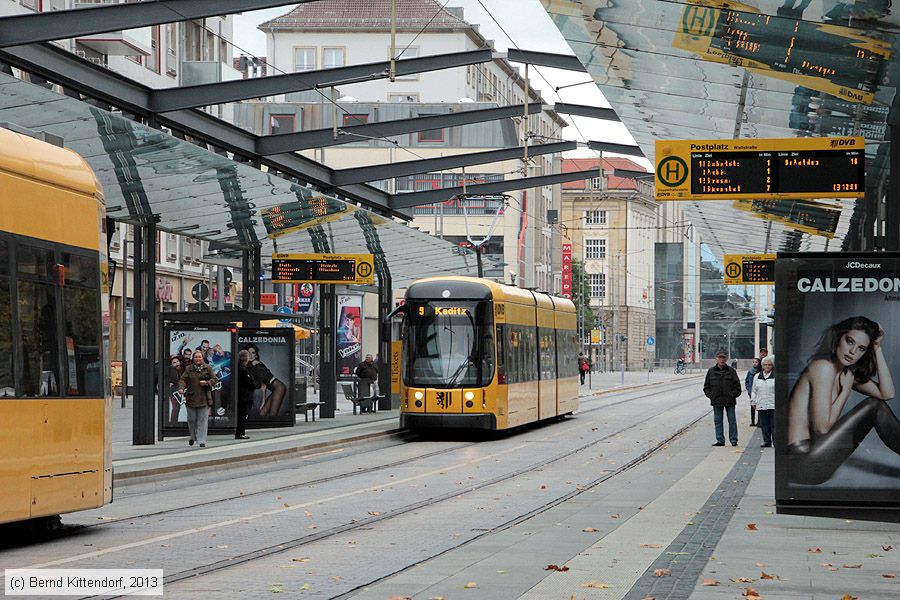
{"type": "Point", "coordinates": [217, 346]}
{"type": "Point", "coordinates": [837, 337]}
{"type": "Point", "coordinates": [349, 334]}
{"type": "Point", "coordinates": [306, 293]}
{"type": "Point", "coordinates": [270, 363]}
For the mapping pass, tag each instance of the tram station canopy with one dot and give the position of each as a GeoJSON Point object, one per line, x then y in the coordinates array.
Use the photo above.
{"type": "Point", "coordinates": [710, 69]}
{"type": "Point", "coordinates": [148, 174]}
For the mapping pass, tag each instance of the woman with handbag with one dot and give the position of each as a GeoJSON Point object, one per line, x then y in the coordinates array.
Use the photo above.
{"type": "Point", "coordinates": [196, 384]}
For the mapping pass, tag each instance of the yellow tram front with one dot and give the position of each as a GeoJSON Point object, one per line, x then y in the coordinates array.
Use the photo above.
{"type": "Point", "coordinates": [449, 356]}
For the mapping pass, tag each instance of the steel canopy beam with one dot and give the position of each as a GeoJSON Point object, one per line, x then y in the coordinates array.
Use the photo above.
{"type": "Point", "coordinates": [545, 59]}
{"type": "Point", "coordinates": [320, 138]}
{"type": "Point", "coordinates": [616, 148]}
{"type": "Point", "coordinates": [44, 27]}
{"type": "Point", "coordinates": [66, 69]}
{"type": "Point", "coordinates": [428, 165]}
{"type": "Point", "coordinates": [580, 110]}
{"type": "Point", "coordinates": [164, 100]}
{"type": "Point", "coordinates": [444, 194]}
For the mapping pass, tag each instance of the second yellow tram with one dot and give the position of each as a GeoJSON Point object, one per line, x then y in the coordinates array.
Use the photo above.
{"type": "Point", "coordinates": [483, 355]}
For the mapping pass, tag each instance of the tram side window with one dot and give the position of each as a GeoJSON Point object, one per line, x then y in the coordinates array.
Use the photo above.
{"type": "Point", "coordinates": [37, 317]}
{"type": "Point", "coordinates": [7, 375]}
{"type": "Point", "coordinates": [501, 354]}
{"type": "Point", "coordinates": [81, 311]}
{"type": "Point", "coordinates": [548, 354]}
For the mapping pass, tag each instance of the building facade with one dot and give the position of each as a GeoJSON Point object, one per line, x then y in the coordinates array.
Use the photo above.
{"type": "Point", "coordinates": [332, 33]}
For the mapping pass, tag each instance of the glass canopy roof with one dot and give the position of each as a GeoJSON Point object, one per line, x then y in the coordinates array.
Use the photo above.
{"type": "Point", "coordinates": [148, 174]}
{"type": "Point", "coordinates": [711, 69]}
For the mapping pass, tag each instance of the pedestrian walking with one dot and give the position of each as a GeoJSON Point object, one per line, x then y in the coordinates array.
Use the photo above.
{"type": "Point", "coordinates": [196, 384]}
{"type": "Point", "coordinates": [764, 398]}
{"type": "Point", "coordinates": [748, 385]}
{"type": "Point", "coordinates": [722, 387]}
{"type": "Point", "coordinates": [246, 387]}
{"type": "Point", "coordinates": [584, 365]}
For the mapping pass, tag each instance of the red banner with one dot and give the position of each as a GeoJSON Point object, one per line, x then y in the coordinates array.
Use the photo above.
{"type": "Point", "coordinates": [567, 270]}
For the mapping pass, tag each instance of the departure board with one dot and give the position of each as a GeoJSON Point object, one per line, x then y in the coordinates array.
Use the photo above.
{"type": "Point", "coordinates": [749, 269]}
{"type": "Point", "coordinates": [808, 216]}
{"type": "Point", "coordinates": [323, 268]}
{"type": "Point", "coordinates": [301, 214]}
{"type": "Point", "coordinates": [760, 169]}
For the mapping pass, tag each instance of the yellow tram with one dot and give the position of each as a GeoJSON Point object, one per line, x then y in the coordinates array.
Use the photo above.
{"type": "Point", "coordinates": [479, 354]}
{"type": "Point", "coordinates": [55, 405]}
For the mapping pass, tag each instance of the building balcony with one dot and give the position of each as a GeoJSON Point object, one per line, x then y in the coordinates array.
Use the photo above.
{"type": "Point", "coordinates": [131, 42]}
{"type": "Point", "coordinates": [197, 72]}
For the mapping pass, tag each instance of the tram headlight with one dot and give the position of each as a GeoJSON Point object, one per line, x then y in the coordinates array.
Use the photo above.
{"type": "Point", "coordinates": [418, 395]}
{"type": "Point", "coordinates": [470, 395]}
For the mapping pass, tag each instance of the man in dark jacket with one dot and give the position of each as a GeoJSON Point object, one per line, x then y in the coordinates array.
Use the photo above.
{"type": "Point", "coordinates": [722, 387]}
{"type": "Point", "coordinates": [367, 372]}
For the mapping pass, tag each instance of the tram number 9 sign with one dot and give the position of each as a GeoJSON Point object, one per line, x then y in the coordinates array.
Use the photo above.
{"type": "Point", "coordinates": [760, 169]}
{"type": "Point", "coordinates": [749, 269]}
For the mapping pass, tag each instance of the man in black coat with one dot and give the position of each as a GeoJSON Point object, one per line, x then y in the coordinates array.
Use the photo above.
{"type": "Point", "coordinates": [367, 372]}
{"type": "Point", "coordinates": [722, 387]}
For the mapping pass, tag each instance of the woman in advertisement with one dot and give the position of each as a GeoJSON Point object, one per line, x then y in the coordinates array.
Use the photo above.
{"type": "Point", "coordinates": [173, 375]}
{"type": "Point", "coordinates": [263, 380]}
{"type": "Point", "coordinates": [849, 357]}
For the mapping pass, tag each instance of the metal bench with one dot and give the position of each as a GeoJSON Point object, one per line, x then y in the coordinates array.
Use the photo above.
{"type": "Point", "coordinates": [307, 408]}
{"type": "Point", "coordinates": [365, 404]}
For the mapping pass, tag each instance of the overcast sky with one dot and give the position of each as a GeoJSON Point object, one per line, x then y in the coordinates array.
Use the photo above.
{"type": "Point", "coordinates": [530, 28]}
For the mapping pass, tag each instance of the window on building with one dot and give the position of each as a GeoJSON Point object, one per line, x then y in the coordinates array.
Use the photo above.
{"type": "Point", "coordinates": [171, 52]}
{"type": "Point", "coordinates": [595, 217]}
{"type": "Point", "coordinates": [404, 54]}
{"type": "Point", "coordinates": [281, 123]}
{"type": "Point", "coordinates": [304, 59]}
{"type": "Point", "coordinates": [597, 183]}
{"type": "Point", "coordinates": [333, 58]}
{"type": "Point", "coordinates": [597, 283]}
{"type": "Point", "coordinates": [354, 119]}
{"type": "Point", "coordinates": [431, 135]}
{"type": "Point", "coordinates": [594, 249]}
{"type": "Point", "coordinates": [403, 97]}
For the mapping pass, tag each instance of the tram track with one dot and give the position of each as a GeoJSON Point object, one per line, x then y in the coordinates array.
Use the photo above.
{"type": "Point", "coordinates": [301, 541]}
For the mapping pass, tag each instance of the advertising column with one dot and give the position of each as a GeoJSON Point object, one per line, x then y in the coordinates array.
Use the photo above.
{"type": "Point", "coordinates": [837, 341]}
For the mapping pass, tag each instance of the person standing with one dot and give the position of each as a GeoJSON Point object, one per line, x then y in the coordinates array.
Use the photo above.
{"type": "Point", "coordinates": [748, 385]}
{"type": "Point", "coordinates": [722, 387]}
{"type": "Point", "coordinates": [584, 365]}
{"type": "Point", "coordinates": [367, 373]}
{"type": "Point", "coordinates": [764, 398]}
{"type": "Point", "coordinates": [196, 384]}
{"type": "Point", "coordinates": [246, 387]}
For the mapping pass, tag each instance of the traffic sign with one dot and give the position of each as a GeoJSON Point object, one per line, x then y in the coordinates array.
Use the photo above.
{"type": "Point", "coordinates": [323, 268]}
{"type": "Point", "coordinates": [596, 336]}
{"type": "Point", "coordinates": [760, 169]}
{"type": "Point", "coordinates": [749, 269]}
{"type": "Point", "coordinates": [285, 310]}
{"type": "Point", "coordinates": [200, 292]}
{"type": "Point", "coordinates": [650, 340]}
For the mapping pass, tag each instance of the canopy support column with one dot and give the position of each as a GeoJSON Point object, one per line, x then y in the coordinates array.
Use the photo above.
{"type": "Point", "coordinates": [144, 334]}
{"type": "Point", "coordinates": [328, 351]}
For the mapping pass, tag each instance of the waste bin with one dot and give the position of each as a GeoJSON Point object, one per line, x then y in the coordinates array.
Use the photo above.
{"type": "Point", "coordinates": [300, 392]}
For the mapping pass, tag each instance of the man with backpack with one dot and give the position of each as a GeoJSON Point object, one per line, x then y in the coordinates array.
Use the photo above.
{"type": "Point", "coordinates": [584, 365]}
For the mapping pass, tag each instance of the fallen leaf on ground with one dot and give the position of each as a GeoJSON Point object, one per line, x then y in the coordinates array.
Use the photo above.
{"type": "Point", "coordinates": [307, 513]}
{"type": "Point", "coordinates": [751, 594]}
{"type": "Point", "coordinates": [286, 505]}
{"type": "Point", "coordinates": [742, 580]}
{"type": "Point", "coordinates": [751, 527]}
{"type": "Point", "coordinates": [888, 575]}
{"type": "Point", "coordinates": [276, 589]}
{"type": "Point", "coordinates": [764, 575]}
{"type": "Point", "coordinates": [305, 586]}
{"type": "Point", "coordinates": [595, 584]}
{"type": "Point", "coordinates": [849, 597]}
{"type": "Point", "coordinates": [614, 516]}
{"type": "Point", "coordinates": [710, 582]}
{"type": "Point", "coordinates": [556, 568]}
{"type": "Point", "coordinates": [874, 555]}
{"type": "Point", "coordinates": [759, 564]}
{"type": "Point", "coordinates": [855, 566]}
{"type": "Point", "coordinates": [589, 529]}
{"type": "Point", "coordinates": [662, 572]}
{"type": "Point", "coordinates": [301, 559]}
{"type": "Point", "coordinates": [470, 585]}
{"type": "Point", "coordinates": [814, 550]}
{"type": "Point", "coordinates": [543, 487]}
{"type": "Point", "coordinates": [887, 548]}
{"type": "Point", "coordinates": [650, 545]}
{"type": "Point", "coordinates": [374, 513]}
{"type": "Point", "coordinates": [400, 598]}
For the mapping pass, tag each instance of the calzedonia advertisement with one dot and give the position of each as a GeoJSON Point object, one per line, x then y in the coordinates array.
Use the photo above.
{"type": "Point", "coordinates": [837, 362]}
{"type": "Point", "coordinates": [267, 355]}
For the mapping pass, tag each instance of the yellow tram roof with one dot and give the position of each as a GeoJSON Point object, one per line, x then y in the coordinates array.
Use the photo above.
{"type": "Point", "coordinates": [28, 157]}
{"type": "Point", "coordinates": [508, 293]}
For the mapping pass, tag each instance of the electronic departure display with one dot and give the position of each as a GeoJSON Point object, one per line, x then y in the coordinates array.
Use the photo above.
{"type": "Point", "coordinates": [760, 169]}
{"type": "Point", "coordinates": [301, 214]}
{"type": "Point", "coordinates": [807, 216]}
{"type": "Point", "coordinates": [323, 268]}
{"type": "Point", "coordinates": [749, 269]}
{"type": "Point", "coordinates": [837, 60]}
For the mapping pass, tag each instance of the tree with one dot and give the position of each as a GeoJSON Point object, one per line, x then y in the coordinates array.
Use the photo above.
{"type": "Point", "coordinates": [581, 296]}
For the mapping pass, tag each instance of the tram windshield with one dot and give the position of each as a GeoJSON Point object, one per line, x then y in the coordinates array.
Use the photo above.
{"type": "Point", "coordinates": [450, 344]}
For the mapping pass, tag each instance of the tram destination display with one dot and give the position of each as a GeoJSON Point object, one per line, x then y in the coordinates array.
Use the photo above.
{"type": "Point", "coordinates": [760, 169]}
{"type": "Point", "coordinates": [323, 268]}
